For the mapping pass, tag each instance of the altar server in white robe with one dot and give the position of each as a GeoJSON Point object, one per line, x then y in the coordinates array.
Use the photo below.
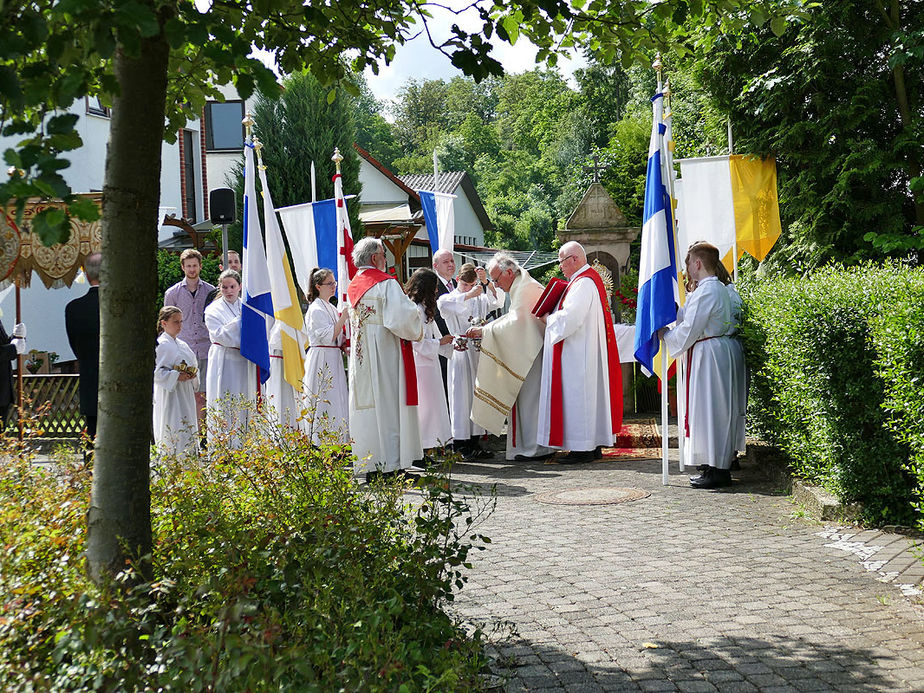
{"type": "Point", "coordinates": [473, 298]}
{"type": "Point", "coordinates": [432, 410]}
{"type": "Point", "coordinates": [282, 401]}
{"type": "Point", "coordinates": [176, 379]}
{"type": "Point", "coordinates": [231, 379]}
{"type": "Point", "coordinates": [382, 377]}
{"type": "Point", "coordinates": [580, 402]}
{"type": "Point", "coordinates": [703, 334]}
{"type": "Point", "coordinates": [327, 405]}
{"type": "Point", "coordinates": [509, 375]}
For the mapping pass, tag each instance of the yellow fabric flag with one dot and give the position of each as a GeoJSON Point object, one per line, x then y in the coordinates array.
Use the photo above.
{"type": "Point", "coordinates": [757, 208]}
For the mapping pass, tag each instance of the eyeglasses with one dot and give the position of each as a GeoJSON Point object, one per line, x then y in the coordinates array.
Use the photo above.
{"type": "Point", "coordinates": [562, 260]}
{"type": "Point", "coordinates": [330, 283]}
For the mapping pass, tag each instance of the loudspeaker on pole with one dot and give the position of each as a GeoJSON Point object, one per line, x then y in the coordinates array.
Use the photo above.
{"type": "Point", "coordinates": [222, 206]}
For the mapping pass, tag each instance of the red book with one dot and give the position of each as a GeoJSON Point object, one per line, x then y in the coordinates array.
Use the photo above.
{"type": "Point", "coordinates": [548, 302]}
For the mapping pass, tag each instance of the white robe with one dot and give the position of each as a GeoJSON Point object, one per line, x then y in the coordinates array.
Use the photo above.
{"type": "Point", "coordinates": [231, 379]}
{"type": "Point", "coordinates": [459, 315]}
{"type": "Point", "coordinates": [327, 402]}
{"type": "Point", "coordinates": [711, 395]}
{"type": "Point", "coordinates": [176, 430]}
{"type": "Point", "coordinates": [432, 411]}
{"type": "Point", "coordinates": [385, 432]}
{"type": "Point", "coordinates": [579, 323]}
{"type": "Point", "coordinates": [282, 401]}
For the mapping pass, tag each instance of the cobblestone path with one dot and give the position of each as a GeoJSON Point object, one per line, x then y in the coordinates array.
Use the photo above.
{"type": "Point", "coordinates": [684, 590]}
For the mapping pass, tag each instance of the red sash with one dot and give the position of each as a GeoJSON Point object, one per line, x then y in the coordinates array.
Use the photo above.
{"type": "Point", "coordinates": [556, 423]}
{"type": "Point", "coordinates": [359, 285]}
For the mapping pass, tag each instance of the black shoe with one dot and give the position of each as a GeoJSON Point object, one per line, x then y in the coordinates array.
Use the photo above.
{"type": "Point", "coordinates": [702, 468]}
{"type": "Point", "coordinates": [735, 465]}
{"type": "Point", "coordinates": [712, 478]}
{"type": "Point", "coordinates": [533, 458]}
{"type": "Point", "coordinates": [598, 452]}
{"type": "Point", "coordinates": [576, 457]}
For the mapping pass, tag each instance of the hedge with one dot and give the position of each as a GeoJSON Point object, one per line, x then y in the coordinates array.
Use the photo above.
{"type": "Point", "coordinates": [837, 381]}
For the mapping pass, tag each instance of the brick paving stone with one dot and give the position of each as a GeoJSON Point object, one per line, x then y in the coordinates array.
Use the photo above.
{"type": "Point", "coordinates": [732, 592]}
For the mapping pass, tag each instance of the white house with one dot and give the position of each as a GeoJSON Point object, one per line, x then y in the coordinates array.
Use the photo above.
{"type": "Point", "coordinates": [183, 193]}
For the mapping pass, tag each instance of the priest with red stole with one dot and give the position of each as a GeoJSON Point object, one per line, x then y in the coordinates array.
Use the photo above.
{"type": "Point", "coordinates": [580, 401]}
{"type": "Point", "coordinates": [382, 379]}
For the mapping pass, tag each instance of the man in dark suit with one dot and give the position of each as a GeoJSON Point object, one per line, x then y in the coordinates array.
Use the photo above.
{"type": "Point", "coordinates": [81, 320]}
{"type": "Point", "coordinates": [445, 267]}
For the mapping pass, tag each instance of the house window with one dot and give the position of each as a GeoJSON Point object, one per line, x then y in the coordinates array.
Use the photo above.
{"type": "Point", "coordinates": [189, 177]}
{"type": "Point", "coordinates": [95, 107]}
{"type": "Point", "coordinates": [223, 128]}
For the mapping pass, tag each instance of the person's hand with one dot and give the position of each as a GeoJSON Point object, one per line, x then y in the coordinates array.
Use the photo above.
{"type": "Point", "coordinates": [446, 339]}
{"type": "Point", "coordinates": [185, 376]}
{"type": "Point", "coordinates": [475, 292]}
{"type": "Point", "coordinates": [19, 330]}
{"type": "Point", "coordinates": [482, 274]}
{"type": "Point", "coordinates": [474, 332]}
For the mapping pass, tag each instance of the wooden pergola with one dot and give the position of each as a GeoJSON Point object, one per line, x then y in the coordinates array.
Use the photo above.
{"type": "Point", "coordinates": [396, 238]}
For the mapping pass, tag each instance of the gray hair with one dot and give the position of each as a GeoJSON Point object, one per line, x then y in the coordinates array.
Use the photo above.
{"type": "Point", "coordinates": [91, 266]}
{"type": "Point", "coordinates": [365, 249]}
{"type": "Point", "coordinates": [503, 261]}
{"type": "Point", "coordinates": [439, 253]}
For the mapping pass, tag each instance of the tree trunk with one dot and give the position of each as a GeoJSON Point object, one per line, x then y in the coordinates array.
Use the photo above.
{"type": "Point", "coordinates": [120, 514]}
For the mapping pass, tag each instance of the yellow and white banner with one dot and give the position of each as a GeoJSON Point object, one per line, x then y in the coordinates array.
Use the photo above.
{"type": "Point", "coordinates": [728, 200]}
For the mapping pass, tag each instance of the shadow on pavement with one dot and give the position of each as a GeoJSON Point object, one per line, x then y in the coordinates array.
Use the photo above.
{"type": "Point", "coordinates": [724, 663]}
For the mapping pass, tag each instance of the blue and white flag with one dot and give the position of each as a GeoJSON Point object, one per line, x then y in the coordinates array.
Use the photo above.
{"type": "Point", "coordinates": [439, 218]}
{"type": "Point", "coordinates": [658, 294]}
{"type": "Point", "coordinates": [257, 307]}
{"type": "Point", "coordinates": [311, 229]}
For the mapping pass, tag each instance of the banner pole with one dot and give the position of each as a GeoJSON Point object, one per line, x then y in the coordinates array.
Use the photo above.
{"type": "Point", "coordinates": [665, 433]}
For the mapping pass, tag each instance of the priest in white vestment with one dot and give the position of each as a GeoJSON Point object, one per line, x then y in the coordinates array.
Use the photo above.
{"type": "Point", "coordinates": [469, 304]}
{"type": "Point", "coordinates": [712, 404]}
{"type": "Point", "coordinates": [382, 378]}
{"type": "Point", "coordinates": [509, 376]}
{"type": "Point", "coordinates": [580, 402]}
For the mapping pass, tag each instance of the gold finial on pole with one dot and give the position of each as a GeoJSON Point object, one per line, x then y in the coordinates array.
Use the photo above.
{"type": "Point", "coordinates": [258, 148]}
{"type": "Point", "coordinates": [667, 98]}
{"type": "Point", "coordinates": [657, 65]}
{"type": "Point", "coordinates": [248, 122]}
{"type": "Point", "coordinates": [337, 158]}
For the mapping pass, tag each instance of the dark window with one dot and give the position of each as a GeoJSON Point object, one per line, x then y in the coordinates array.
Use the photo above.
{"type": "Point", "coordinates": [223, 128]}
{"type": "Point", "coordinates": [96, 108]}
{"type": "Point", "coordinates": [189, 177]}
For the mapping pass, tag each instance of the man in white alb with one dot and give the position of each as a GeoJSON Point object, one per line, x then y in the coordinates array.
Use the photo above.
{"type": "Point", "coordinates": [510, 369]}
{"type": "Point", "coordinates": [580, 402]}
{"type": "Point", "coordinates": [704, 335]}
{"type": "Point", "coordinates": [382, 378]}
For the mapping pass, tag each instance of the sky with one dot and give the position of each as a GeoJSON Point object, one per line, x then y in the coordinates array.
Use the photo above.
{"type": "Point", "coordinates": [419, 60]}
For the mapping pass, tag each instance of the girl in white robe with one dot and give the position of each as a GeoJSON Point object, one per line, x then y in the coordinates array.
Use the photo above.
{"type": "Point", "coordinates": [463, 307]}
{"type": "Point", "coordinates": [231, 379]}
{"type": "Point", "coordinates": [432, 410]}
{"type": "Point", "coordinates": [327, 399]}
{"type": "Point", "coordinates": [176, 379]}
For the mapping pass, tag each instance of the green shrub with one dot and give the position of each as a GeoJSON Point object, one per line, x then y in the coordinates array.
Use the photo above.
{"type": "Point", "coordinates": [273, 570]}
{"type": "Point", "coordinates": [836, 381]}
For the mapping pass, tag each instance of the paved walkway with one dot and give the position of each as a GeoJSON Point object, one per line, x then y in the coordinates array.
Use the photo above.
{"type": "Point", "coordinates": [684, 590]}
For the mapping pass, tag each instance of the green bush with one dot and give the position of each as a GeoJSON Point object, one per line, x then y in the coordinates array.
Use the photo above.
{"type": "Point", "coordinates": [837, 379]}
{"type": "Point", "coordinates": [273, 571]}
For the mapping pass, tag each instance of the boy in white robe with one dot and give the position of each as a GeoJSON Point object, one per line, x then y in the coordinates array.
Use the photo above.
{"type": "Point", "coordinates": [703, 334]}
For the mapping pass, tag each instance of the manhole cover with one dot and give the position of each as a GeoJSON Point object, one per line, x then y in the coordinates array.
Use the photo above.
{"type": "Point", "coordinates": [601, 495]}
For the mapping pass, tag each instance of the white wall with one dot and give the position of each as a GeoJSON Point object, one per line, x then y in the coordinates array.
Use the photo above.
{"type": "Point", "coordinates": [377, 187]}
{"type": "Point", "coordinates": [467, 222]}
{"type": "Point", "coordinates": [43, 309]}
